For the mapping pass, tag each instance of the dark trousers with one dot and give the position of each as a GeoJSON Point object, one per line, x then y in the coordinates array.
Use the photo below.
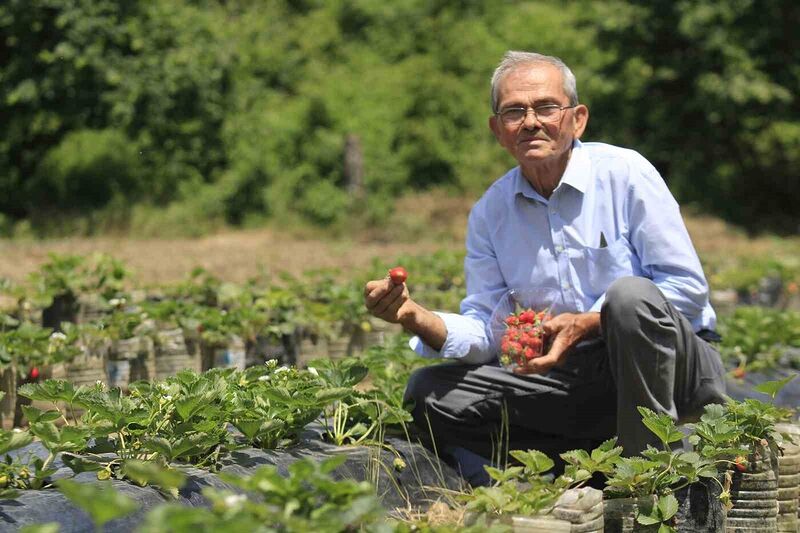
{"type": "Point", "coordinates": [648, 356]}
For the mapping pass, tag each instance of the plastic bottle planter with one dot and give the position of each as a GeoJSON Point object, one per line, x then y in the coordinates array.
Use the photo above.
{"type": "Point", "coordinates": [230, 356]}
{"type": "Point", "coordinates": [789, 480]}
{"type": "Point", "coordinates": [90, 308]}
{"type": "Point", "coordinates": [172, 355]}
{"type": "Point", "coordinates": [577, 511]}
{"type": "Point", "coordinates": [8, 384]}
{"type": "Point", "coordinates": [379, 332]}
{"type": "Point", "coordinates": [143, 365]}
{"type": "Point", "coordinates": [754, 493]}
{"type": "Point", "coordinates": [87, 368]}
{"type": "Point", "coordinates": [138, 353]}
{"type": "Point", "coordinates": [699, 511]}
{"type": "Point", "coordinates": [339, 347]}
{"type": "Point", "coordinates": [119, 373]}
{"type": "Point", "coordinates": [309, 348]}
{"type": "Point", "coordinates": [118, 368]}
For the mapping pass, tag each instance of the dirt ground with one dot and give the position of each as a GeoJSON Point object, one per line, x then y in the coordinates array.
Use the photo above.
{"type": "Point", "coordinates": [435, 223]}
{"type": "Point", "coordinates": [235, 255]}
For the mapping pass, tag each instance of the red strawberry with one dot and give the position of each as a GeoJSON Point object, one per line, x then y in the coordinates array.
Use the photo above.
{"type": "Point", "coordinates": [739, 372]}
{"type": "Point", "coordinates": [740, 463]}
{"type": "Point", "coordinates": [398, 275]}
{"type": "Point", "coordinates": [34, 373]}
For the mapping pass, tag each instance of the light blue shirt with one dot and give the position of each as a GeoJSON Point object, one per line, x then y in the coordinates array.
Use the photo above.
{"type": "Point", "coordinates": [610, 216]}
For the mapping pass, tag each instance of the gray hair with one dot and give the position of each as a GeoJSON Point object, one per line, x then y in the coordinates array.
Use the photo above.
{"type": "Point", "coordinates": [514, 59]}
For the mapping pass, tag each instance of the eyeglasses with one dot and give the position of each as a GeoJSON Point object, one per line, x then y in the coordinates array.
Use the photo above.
{"type": "Point", "coordinates": [545, 113]}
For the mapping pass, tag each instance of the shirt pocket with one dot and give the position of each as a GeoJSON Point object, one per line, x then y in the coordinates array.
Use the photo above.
{"type": "Point", "coordinates": [597, 268]}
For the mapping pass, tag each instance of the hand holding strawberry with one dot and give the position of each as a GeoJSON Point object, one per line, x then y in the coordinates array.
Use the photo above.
{"type": "Point", "coordinates": [388, 298]}
{"type": "Point", "coordinates": [563, 332]}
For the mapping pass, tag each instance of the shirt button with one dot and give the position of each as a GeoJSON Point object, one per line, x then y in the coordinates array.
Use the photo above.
{"type": "Point", "coordinates": [565, 286]}
{"type": "Point", "coordinates": [559, 249]}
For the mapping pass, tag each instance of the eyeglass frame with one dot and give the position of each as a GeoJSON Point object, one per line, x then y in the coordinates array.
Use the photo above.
{"type": "Point", "coordinates": [528, 109]}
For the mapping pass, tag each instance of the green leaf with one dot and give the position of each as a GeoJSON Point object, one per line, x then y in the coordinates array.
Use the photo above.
{"type": "Point", "coordinates": [34, 414]}
{"type": "Point", "coordinates": [161, 446]}
{"type": "Point", "coordinates": [101, 501]}
{"type": "Point", "coordinates": [13, 440]}
{"type": "Point", "coordinates": [326, 396]}
{"type": "Point", "coordinates": [249, 427]}
{"type": "Point", "coordinates": [78, 463]}
{"type": "Point", "coordinates": [148, 472]}
{"type": "Point", "coordinates": [647, 520]}
{"type": "Point", "coordinates": [535, 461]}
{"type": "Point", "coordinates": [51, 390]}
{"type": "Point", "coordinates": [664, 528]}
{"type": "Point", "coordinates": [49, 527]}
{"type": "Point", "coordinates": [772, 388]}
{"type": "Point", "coordinates": [662, 425]}
{"type": "Point", "coordinates": [668, 505]}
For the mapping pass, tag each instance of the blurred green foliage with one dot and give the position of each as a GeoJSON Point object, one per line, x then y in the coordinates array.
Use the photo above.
{"type": "Point", "coordinates": [191, 113]}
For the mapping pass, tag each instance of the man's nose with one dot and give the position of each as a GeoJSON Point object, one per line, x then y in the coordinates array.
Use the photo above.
{"type": "Point", "coordinates": [531, 120]}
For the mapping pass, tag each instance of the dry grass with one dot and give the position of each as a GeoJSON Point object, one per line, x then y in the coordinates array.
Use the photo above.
{"type": "Point", "coordinates": [421, 224]}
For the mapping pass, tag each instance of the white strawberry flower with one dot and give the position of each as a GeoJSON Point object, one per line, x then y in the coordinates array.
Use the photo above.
{"type": "Point", "coordinates": [233, 500]}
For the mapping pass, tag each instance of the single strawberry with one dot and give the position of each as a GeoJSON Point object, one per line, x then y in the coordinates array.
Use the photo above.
{"type": "Point", "coordinates": [740, 463]}
{"type": "Point", "coordinates": [34, 373]}
{"type": "Point", "coordinates": [739, 372]}
{"type": "Point", "coordinates": [398, 275]}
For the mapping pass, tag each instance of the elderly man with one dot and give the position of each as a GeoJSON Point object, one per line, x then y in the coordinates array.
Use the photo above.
{"type": "Point", "coordinates": [597, 222]}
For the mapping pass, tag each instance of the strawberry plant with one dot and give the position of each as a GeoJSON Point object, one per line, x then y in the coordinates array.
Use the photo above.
{"type": "Point", "coordinates": [270, 405]}
{"type": "Point", "coordinates": [390, 366]}
{"type": "Point", "coordinates": [178, 420]}
{"type": "Point", "coordinates": [308, 499]}
{"type": "Point", "coordinates": [524, 489]}
{"type": "Point", "coordinates": [353, 416]}
{"type": "Point", "coordinates": [15, 471]}
{"type": "Point", "coordinates": [30, 347]}
{"type": "Point", "coordinates": [658, 473]}
{"type": "Point", "coordinates": [757, 338]}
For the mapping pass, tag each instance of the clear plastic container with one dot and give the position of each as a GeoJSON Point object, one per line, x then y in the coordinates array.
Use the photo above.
{"type": "Point", "coordinates": [520, 338]}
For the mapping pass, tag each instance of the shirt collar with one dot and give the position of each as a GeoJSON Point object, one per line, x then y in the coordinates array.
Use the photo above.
{"type": "Point", "coordinates": [576, 175]}
{"type": "Point", "coordinates": [578, 170]}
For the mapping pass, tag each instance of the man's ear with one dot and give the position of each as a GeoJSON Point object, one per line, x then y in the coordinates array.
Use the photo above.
{"type": "Point", "coordinates": [494, 125]}
{"type": "Point", "coordinates": [580, 120]}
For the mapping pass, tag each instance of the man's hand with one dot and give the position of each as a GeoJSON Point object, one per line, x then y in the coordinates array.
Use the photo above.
{"type": "Point", "coordinates": [565, 331]}
{"type": "Point", "coordinates": [387, 300]}
{"type": "Point", "coordinates": [391, 302]}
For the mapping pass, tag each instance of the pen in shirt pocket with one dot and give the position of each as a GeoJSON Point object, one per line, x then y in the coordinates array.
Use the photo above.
{"type": "Point", "coordinates": [603, 242]}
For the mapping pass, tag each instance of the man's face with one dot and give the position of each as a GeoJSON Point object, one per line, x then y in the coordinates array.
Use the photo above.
{"type": "Point", "coordinates": [533, 141]}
